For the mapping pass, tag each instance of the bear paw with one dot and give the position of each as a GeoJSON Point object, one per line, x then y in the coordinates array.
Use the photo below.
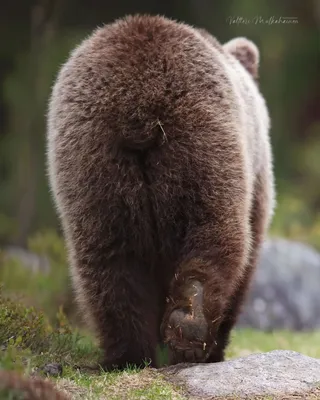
{"type": "Point", "coordinates": [187, 330]}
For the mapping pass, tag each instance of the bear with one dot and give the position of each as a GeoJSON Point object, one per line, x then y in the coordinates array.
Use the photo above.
{"type": "Point", "coordinates": [160, 166]}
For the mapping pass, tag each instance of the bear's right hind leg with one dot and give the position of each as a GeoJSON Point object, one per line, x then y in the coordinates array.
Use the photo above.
{"type": "Point", "coordinates": [188, 324]}
{"type": "Point", "coordinates": [259, 222]}
{"type": "Point", "coordinates": [201, 290]}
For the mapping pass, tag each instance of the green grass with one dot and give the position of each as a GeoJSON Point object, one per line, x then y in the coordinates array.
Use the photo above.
{"type": "Point", "coordinates": [29, 339]}
{"type": "Point", "coordinates": [248, 341]}
{"type": "Point", "coordinates": [49, 291]}
{"type": "Point", "coordinates": [149, 385]}
{"type": "Point", "coordinates": [129, 384]}
{"type": "Point", "coordinates": [29, 342]}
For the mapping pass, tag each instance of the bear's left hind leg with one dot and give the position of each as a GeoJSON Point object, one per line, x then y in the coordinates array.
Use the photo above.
{"type": "Point", "coordinates": [121, 299]}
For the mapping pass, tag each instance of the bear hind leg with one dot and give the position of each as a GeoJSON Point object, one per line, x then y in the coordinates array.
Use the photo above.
{"type": "Point", "coordinates": [122, 302]}
{"type": "Point", "coordinates": [201, 288]}
{"type": "Point", "coordinates": [259, 221]}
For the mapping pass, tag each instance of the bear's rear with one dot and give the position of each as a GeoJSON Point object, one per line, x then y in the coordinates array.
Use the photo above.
{"type": "Point", "coordinates": [139, 116]}
{"type": "Point", "coordinates": [160, 166]}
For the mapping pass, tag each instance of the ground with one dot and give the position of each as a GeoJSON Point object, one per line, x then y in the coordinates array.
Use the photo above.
{"type": "Point", "coordinates": [149, 385]}
{"type": "Point", "coordinates": [29, 339]}
{"type": "Point", "coordinates": [30, 342]}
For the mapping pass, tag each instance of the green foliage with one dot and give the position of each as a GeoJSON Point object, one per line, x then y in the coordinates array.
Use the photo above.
{"type": "Point", "coordinates": [13, 357]}
{"type": "Point", "coordinates": [22, 330]}
{"type": "Point", "coordinates": [11, 394]}
{"type": "Point", "coordinates": [294, 220]}
{"type": "Point", "coordinates": [28, 340]}
{"type": "Point", "coordinates": [20, 325]}
{"type": "Point", "coordinates": [46, 290]}
{"type": "Point", "coordinates": [48, 243]}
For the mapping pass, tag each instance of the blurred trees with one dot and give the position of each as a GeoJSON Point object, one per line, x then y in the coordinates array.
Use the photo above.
{"type": "Point", "coordinates": [37, 35]}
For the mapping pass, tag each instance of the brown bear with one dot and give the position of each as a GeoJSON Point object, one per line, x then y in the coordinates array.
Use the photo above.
{"type": "Point", "coordinates": [160, 164]}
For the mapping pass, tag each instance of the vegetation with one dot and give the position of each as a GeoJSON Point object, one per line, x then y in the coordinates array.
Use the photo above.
{"type": "Point", "coordinates": [30, 343]}
{"type": "Point", "coordinates": [50, 290]}
{"type": "Point", "coordinates": [31, 338]}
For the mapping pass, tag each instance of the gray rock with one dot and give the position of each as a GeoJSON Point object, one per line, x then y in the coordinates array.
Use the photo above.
{"type": "Point", "coordinates": [272, 374]}
{"type": "Point", "coordinates": [285, 293]}
{"type": "Point", "coordinates": [52, 369]}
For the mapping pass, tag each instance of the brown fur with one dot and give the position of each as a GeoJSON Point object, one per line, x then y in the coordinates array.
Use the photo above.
{"type": "Point", "coordinates": [28, 389]}
{"type": "Point", "coordinates": [160, 165]}
{"type": "Point", "coordinates": [247, 53]}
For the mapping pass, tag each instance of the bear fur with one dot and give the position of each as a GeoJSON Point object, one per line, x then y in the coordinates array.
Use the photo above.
{"type": "Point", "coordinates": [160, 165]}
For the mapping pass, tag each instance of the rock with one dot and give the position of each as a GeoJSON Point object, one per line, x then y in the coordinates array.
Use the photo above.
{"type": "Point", "coordinates": [52, 369]}
{"type": "Point", "coordinates": [285, 293]}
{"type": "Point", "coordinates": [277, 373]}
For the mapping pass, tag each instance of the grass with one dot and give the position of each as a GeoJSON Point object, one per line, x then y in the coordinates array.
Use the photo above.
{"type": "Point", "coordinates": [30, 339]}
{"type": "Point", "coordinates": [30, 342]}
{"type": "Point", "coordinates": [149, 385]}
{"type": "Point", "coordinates": [129, 384]}
{"type": "Point", "coordinates": [248, 341]}
{"type": "Point", "coordinates": [48, 291]}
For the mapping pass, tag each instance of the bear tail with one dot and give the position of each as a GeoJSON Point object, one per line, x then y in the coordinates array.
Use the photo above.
{"type": "Point", "coordinates": [144, 137]}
